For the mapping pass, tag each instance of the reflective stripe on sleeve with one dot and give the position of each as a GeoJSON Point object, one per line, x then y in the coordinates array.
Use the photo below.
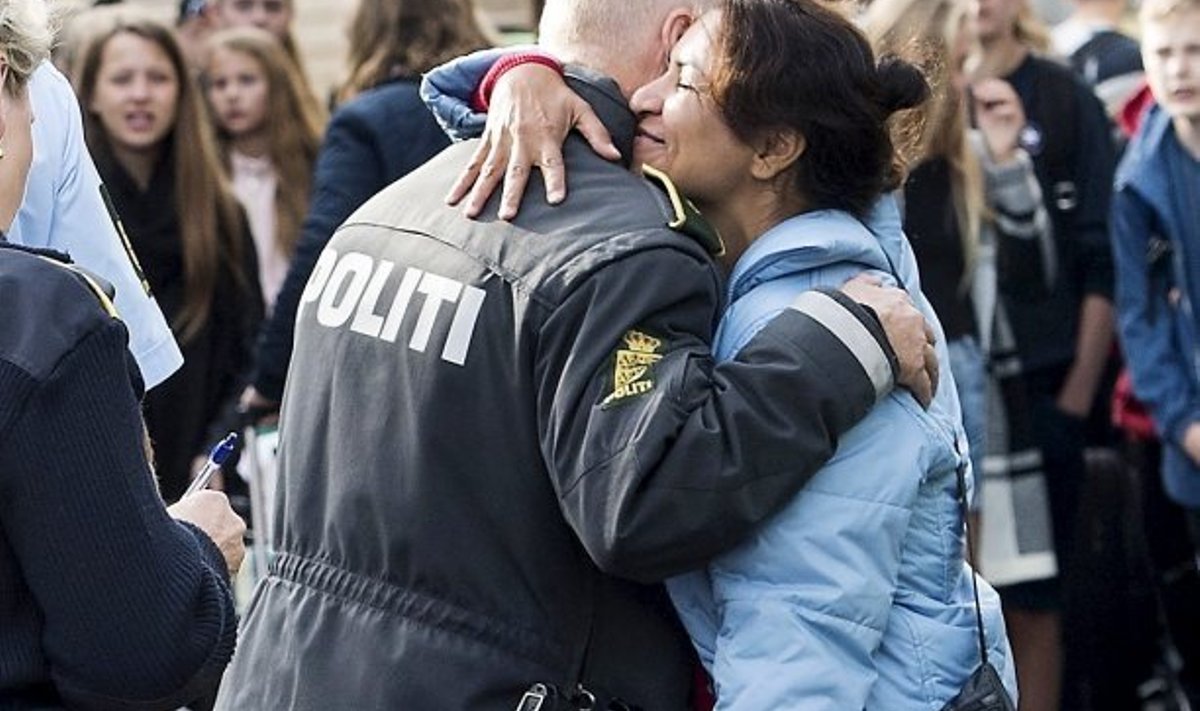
{"type": "Point", "coordinates": [850, 331]}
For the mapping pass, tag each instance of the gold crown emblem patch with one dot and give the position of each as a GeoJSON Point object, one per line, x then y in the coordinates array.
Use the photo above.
{"type": "Point", "coordinates": [632, 366]}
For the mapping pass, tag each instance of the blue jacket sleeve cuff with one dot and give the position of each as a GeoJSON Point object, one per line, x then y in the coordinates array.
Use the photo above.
{"type": "Point", "coordinates": [447, 91]}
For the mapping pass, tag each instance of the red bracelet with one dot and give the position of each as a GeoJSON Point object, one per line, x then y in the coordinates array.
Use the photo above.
{"type": "Point", "coordinates": [483, 93]}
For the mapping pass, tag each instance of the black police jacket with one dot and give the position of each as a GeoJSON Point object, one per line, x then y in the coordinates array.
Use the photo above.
{"type": "Point", "coordinates": [498, 438]}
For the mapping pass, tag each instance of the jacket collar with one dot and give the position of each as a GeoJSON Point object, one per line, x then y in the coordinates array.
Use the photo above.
{"type": "Point", "coordinates": [816, 239]}
{"type": "Point", "coordinates": [610, 105]}
{"type": "Point", "coordinates": [1141, 165]}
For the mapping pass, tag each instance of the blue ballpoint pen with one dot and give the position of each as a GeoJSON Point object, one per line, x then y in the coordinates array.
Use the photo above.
{"type": "Point", "coordinates": [216, 458]}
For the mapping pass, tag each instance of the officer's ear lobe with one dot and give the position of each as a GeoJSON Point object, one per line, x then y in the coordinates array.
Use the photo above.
{"type": "Point", "coordinates": [775, 152]}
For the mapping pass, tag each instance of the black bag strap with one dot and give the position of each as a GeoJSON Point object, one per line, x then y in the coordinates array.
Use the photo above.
{"type": "Point", "coordinates": [960, 474]}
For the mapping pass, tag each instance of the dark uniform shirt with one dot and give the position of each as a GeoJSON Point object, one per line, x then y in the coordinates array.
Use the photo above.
{"type": "Point", "coordinates": [498, 437]}
{"type": "Point", "coordinates": [105, 601]}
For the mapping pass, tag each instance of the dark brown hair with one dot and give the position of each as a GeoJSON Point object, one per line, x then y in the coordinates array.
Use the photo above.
{"type": "Point", "coordinates": [798, 65]}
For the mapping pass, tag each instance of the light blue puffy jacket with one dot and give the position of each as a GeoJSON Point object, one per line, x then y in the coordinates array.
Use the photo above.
{"type": "Point", "coordinates": [856, 595]}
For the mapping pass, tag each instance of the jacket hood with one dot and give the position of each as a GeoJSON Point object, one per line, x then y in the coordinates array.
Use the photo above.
{"type": "Point", "coordinates": [789, 247]}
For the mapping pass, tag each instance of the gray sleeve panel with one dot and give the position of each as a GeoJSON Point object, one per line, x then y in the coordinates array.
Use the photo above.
{"type": "Point", "coordinates": [659, 482]}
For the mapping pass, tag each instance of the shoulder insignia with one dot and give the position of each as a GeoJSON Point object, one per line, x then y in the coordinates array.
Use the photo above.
{"type": "Point", "coordinates": [102, 295]}
{"type": "Point", "coordinates": [685, 217]}
{"type": "Point", "coordinates": [633, 365]}
{"type": "Point", "coordinates": [94, 284]}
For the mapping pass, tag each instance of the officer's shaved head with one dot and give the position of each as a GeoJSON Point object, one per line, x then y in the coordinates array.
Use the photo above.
{"type": "Point", "coordinates": [630, 44]}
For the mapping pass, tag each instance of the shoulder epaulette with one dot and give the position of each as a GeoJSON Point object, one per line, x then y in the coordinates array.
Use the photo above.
{"type": "Point", "coordinates": [93, 282]}
{"type": "Point", "coordinates": [102, 290]}
{"type": "Point", "coordinates": [684, 217]}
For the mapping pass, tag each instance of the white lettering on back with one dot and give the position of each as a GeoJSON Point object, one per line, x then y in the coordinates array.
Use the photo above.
{"type": "Point", "coordinates": [356, 268]}
{"type": "Point", "coordinates": [366, 321]}
{"type": "Point", "coordinates": [437, 289]}
{"type": "Point", "coordinates": [355, 283]}
{"type": "Point", "coordinates": [391, 327]}
{"type": "Point", "coordinates": [463, 326]}
{"type": "Point", "coordinates": [317, 280]}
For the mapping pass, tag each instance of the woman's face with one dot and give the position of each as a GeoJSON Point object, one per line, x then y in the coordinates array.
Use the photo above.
{"type": "Point", "coordinates": [681, 130]}
{"type": "Point", "coordinates": [237, 90]}
{"type": "Point", "coordinates": [274, 16]}
{"type": "Point", "coordinates": [136, 96]}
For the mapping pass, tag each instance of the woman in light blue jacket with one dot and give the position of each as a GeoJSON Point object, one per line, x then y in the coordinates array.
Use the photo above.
{"type": "Point", "coordinates": [772, 117]}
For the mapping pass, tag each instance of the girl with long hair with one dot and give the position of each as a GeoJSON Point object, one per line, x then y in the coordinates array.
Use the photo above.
{"type": "Point", "coordinates": [146, 126]}
{"type": "Point", "coordinates": [248, 79]}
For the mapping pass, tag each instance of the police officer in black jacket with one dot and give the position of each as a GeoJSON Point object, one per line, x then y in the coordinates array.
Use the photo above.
{"type": "Point", "coordinates": [497, 438]}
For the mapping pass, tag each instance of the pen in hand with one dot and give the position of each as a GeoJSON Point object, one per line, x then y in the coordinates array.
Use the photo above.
{"type": "Point", "coordinates": [216, 458]}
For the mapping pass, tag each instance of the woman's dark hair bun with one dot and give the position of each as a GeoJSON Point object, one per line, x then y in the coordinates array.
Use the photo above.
{"type": "Point", "coordinates": [901, 84]}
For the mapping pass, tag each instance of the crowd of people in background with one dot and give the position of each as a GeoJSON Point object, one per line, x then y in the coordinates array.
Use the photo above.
{"type": "Point", "coordinates": [1049, 192]}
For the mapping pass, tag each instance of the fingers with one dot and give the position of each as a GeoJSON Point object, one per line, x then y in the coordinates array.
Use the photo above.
{"type": "Point", "coordinates": [923, 383]}
{"type": "Point", "coordinates": [591, 128]}
{"type": "Point", "coordinates": [235, 552]}
{"type": "Point", "coordinates": [932, 374]}
{"type": "Point", "coordinates": [490, 176]}
{"type": "Point", "coordinates": [922, 389]}
{"type": "Point", "coordinates": [482, 174]}
{"type": "Point", "coordinates": [554, 174]}
{"type": "Point", "coordinates": [920, 376]}
{"type": "Point", "coordinates": [526, 129]}
{"type": "Point", "coordinates": [466, 179]}
{"type": "Point", "coordinates": [913, 339]}
{"type": "Point", "coordinates": [516, 177]}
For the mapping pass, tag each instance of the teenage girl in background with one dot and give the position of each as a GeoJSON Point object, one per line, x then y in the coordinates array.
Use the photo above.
{"type": "Point", "coordinates": [249, 79]}
{"type": "Point", "coordinates": [155, 150]}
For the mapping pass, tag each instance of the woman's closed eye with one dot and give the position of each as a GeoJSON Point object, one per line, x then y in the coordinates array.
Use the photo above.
{"type": "Point", "coordinates": [687, 78]}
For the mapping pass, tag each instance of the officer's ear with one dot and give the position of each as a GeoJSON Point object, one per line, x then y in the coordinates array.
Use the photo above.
{"type": "Point", "coordinates": [775, 152]}
{"type": "Point", "coordinates": [674, 26]}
